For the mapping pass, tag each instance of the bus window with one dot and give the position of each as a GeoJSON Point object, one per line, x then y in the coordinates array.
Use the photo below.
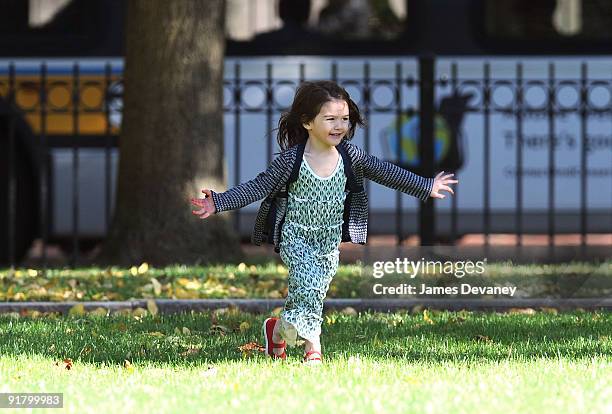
{"type": "Point", "coordinates": [61, 27]}
{"type": "Point", "coordinates": [315, 26]}
{"type": "Point", "coordinates": [549, 20]}
{"type": "Point", "coordinates": [37, 17]}
{"type": "Point", "coordinates": [349, 19]}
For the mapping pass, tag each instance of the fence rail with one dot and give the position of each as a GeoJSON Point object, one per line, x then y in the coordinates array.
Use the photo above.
{"type": "Point", "coordinates": [43, 109]}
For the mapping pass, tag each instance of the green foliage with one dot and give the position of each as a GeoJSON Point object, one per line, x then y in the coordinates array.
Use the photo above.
{"type": "Point", "coordinates": [374, 362]}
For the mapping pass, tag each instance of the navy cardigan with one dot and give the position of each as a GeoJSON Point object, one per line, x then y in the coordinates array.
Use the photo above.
{"type": "Point", "coordinates": [272, 185]}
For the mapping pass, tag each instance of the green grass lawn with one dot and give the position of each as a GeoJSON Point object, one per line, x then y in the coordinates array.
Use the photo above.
{"type": "Point", "coordinates": [374, 362]}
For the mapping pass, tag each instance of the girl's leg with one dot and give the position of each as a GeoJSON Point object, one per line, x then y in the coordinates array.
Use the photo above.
{"type": "Point", "coordinates": [312, 346]}
{"type": "Point", "coordinates": [276, 338]}
{"type": "Point", "coordinates": [308, 345]}
{"type": "Point", "coordinates": [308, 282]}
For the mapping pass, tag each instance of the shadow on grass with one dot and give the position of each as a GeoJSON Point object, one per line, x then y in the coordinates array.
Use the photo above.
{"type": "Point", "coordinates": [193, 339]}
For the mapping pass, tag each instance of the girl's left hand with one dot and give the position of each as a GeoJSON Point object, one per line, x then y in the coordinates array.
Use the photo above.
{"type": "Point", "coordinates": [440, 184]}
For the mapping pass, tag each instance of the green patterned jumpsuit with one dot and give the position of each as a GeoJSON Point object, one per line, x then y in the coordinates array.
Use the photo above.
{"type": "Point", "coordinates": [309, 245]}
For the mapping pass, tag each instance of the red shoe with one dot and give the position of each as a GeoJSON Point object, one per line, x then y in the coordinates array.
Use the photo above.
{"type": "Point", "coordinates": [311, 358]}
{"type": "Point", "coordinates": [268, 328]}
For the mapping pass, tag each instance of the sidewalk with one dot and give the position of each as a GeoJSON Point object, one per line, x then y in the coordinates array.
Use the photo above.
{"type": "Point", "coordinates": [384, 247]}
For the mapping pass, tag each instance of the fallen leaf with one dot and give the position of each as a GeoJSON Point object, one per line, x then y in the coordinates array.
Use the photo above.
{"type": "Point", "coordinates": [128, 365]}
{"type": "Point", "coordinates": [157, 287]}
{"type": "Point", "coordinates": [426, 317]}
{"type": "Point", "coordinates": [552, 311]}
{"type": "Point", "coordinates": [139, 312]}
{"type": "Point", "coordinates": [180, 293]}
{"type": "Point", "coordinates": [32, 313]}
{"type": "Point", "coordinates": [191, 284]}
{"type": "Point", "coordinates": [244, 326]}
{"type": "Point", "coordinates": [190, 351]}
{"type": "Point", "coordinates": [249, 347]}
{"type": "Point", "coordinates": [152, 307]}
{"type": "Point", "coordinates": [99, 312]}
{"type": "Point", "coordinates": [143, 268]}
{"type": "Point", "coordinates": [483, 338]}
{"type": "Point", "coordinates": [525, 311]}
{"type": "Point", "coordinates": [121, 327]}
{"type": "Point", "coordinates": [265, 284]}
{"type": "Point", "coordinates": [186, 331]}
{"type": "Point", "coordinates": [275, 294]}
{"type": "Point", "coordinates": [77, 310]}
{"type": "Point", "coordinates": [219, 329]}
{"type": "Point", "coordinates": [349, 311]}
{"type": "Point", "coordinates": [124, 311]}
{"type": "Point", "coordinates": [86, 350]}
{"type": "Point", "coordinates": [417, 309]}
{"type": "Point", "coordinates": [156, 334]}
{"type": "Point", "coordinates": [67, 363]}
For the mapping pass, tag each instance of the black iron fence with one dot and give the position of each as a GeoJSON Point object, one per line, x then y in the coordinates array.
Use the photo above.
{"type": "Point", "coordinates": [42, 111]}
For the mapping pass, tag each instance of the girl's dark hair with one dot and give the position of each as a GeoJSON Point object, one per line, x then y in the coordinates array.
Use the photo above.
{"type": "Point", "coordinates": [308, 100]}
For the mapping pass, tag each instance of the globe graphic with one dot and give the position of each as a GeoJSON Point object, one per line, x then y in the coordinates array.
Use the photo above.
{"type": "Point", "coordinates": [409, 151]}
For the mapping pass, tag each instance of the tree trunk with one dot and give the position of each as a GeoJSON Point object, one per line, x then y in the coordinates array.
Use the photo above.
{"type": "Point", "coordinates": [171, 142]}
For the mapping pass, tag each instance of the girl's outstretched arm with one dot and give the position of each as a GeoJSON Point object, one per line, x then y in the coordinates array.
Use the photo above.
{"type": "Point", "coordinates": [392, 176]}
{"type": "Point", "coordinates": [250, 191]}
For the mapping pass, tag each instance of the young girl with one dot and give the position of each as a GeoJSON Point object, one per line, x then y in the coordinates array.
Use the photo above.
{"type": "Point", "coordinates": [314, 199]}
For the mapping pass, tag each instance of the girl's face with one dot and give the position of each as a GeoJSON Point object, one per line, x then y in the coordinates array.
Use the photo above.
{"type": "Point", "coordinates": [331, 123]}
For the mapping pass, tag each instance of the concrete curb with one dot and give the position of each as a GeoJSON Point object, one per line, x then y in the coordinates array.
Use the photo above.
{"type": "Point", "coordinates": [169, 306]}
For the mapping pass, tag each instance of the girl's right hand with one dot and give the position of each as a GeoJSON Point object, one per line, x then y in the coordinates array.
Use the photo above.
{"type": "Point", "coordinates": [207, 207]}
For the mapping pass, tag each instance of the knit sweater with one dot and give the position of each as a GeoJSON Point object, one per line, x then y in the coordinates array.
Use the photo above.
{"type": "Point", "coordinates": [271, 185]}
